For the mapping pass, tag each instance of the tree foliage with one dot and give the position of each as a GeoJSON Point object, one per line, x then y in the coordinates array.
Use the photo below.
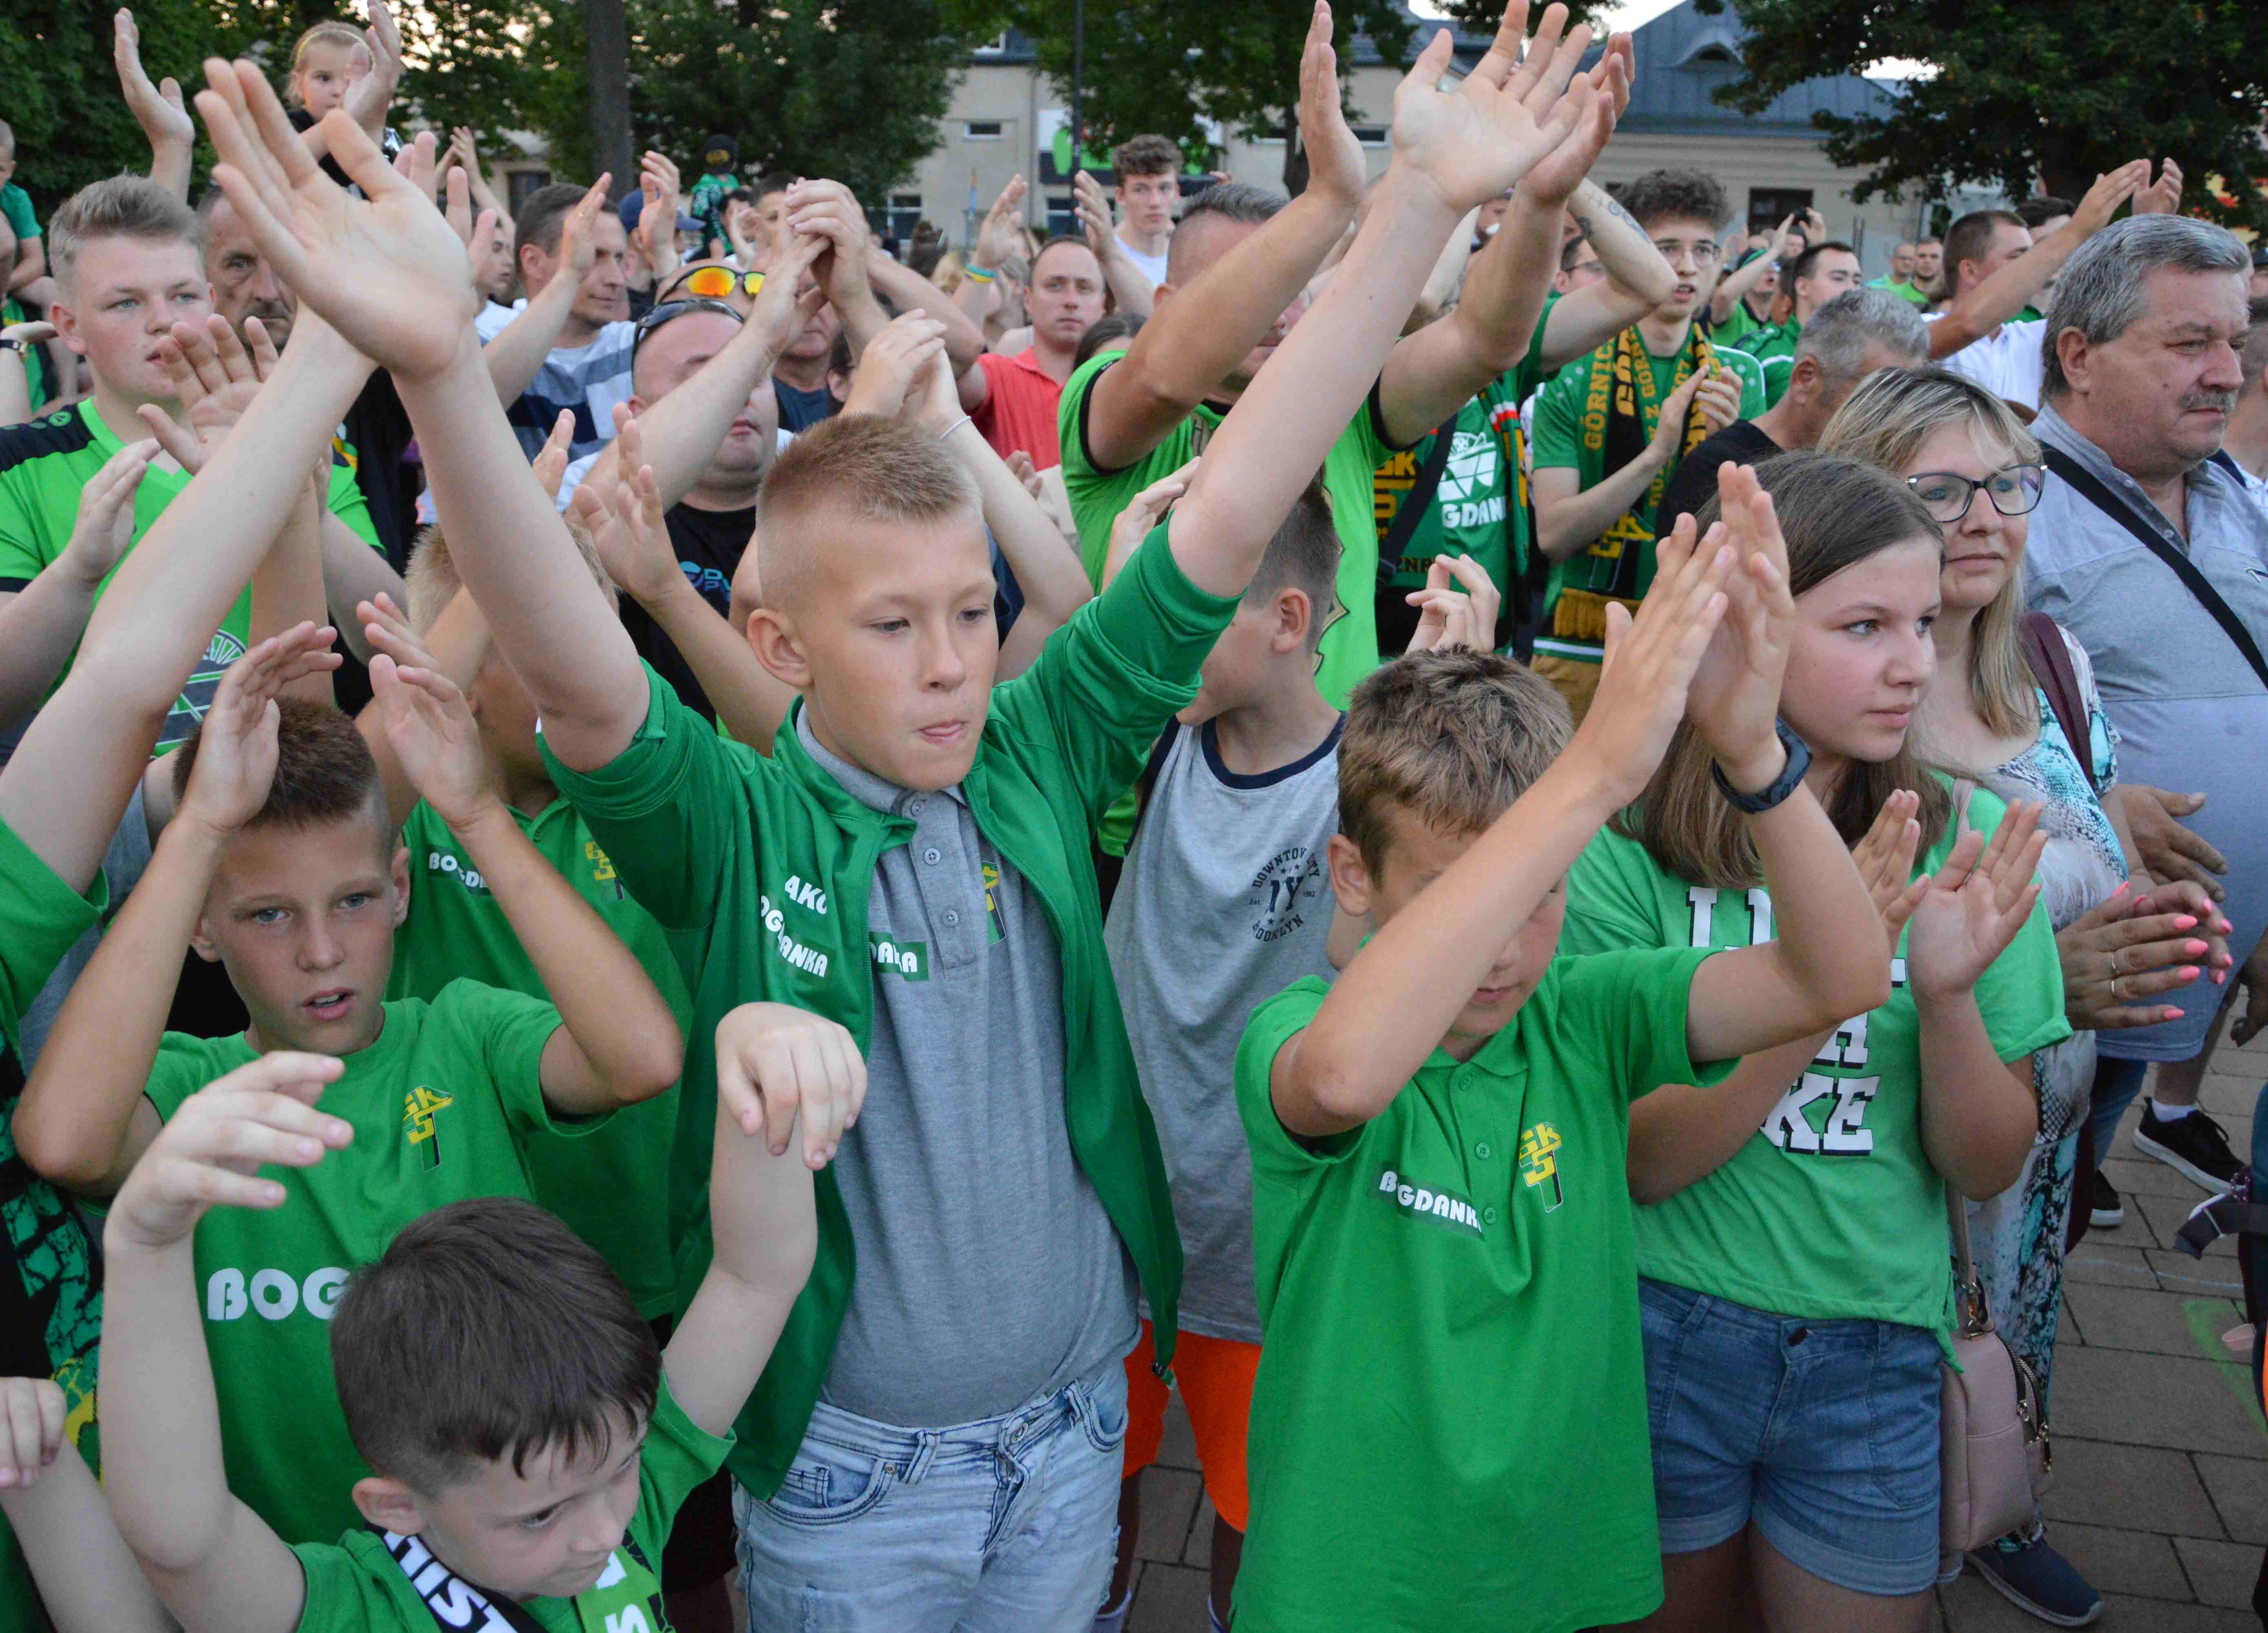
{"type": "Point", "coordinates": [2046, 90]}
{"type": "Point", "coordinates": [1169, 65]}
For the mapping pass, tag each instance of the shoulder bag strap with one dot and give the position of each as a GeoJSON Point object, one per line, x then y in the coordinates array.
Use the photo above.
{"type": "Point", "coordinates": [2050, 664]}
{"type": "Point", "coordinates": [2193, 580]}
{"type": "Point", "coordinates": [1415, 501]}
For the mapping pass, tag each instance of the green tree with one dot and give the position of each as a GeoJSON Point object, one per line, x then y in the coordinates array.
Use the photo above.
{"type": "Point", "coordinates": [1168, 65]}
{"type": "Point", "coordinates": [2051, 90]}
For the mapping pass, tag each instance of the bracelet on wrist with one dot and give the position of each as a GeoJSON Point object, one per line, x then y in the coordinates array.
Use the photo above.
{"type": "Point", "coordinates": [1767, 798]}
{"type": "Point", "coordinates": [966, 419]}
{"type": "Point", "coordinates": [981, 274]}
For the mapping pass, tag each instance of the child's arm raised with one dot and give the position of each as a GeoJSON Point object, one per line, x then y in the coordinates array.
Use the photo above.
{"type": "Point", "coordinates": [389, 271]}
{"type": "Point", "coordinates": [213, 1563]}
{"type": "Point", "coordinates": [617, 1042]}
{"type": "Point", "coordinates": [1454, 149]}
{"type": "Point", "coordinates": [456, 646]}
{"type": "Point", "coordinates": [780, 1073]}
{"type": "Point", "coordinates": [87, 1579]}
{"type": "Point", "coordinates": [1815, 973]}
{"type": "Point", "coordinates": [1397, 997]}
{"type": "Point", "coordinates": [83, 1121]}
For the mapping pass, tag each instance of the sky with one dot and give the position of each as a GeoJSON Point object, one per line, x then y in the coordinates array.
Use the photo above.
{"type": "Point", "coordinates": [1631, 13]}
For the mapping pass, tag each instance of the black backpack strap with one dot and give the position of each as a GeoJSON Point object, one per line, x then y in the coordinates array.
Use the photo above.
{"type": "Point", "coordinates": [2110, 505]}
{"type": "Point", "coordinates": [1415, 501]}
{"type": "Point", "coordinates": [1159, 751]}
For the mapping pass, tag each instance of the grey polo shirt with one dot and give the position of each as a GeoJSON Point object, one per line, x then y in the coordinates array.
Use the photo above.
{"type": "Point", "coordinates": [2192, 714]}
{"type": "Point", "coordinates": [987, 1271]}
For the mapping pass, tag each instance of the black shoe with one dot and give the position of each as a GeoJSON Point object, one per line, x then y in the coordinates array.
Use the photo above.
{"type": "Point", "coordinates": [2196, 1145]}
{"type": "Point", "coordinates": [2106, 1212]}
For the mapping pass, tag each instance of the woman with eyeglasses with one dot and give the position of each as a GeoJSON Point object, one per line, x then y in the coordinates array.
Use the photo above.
{"type": "Point", "coordinates": [2121, 938]}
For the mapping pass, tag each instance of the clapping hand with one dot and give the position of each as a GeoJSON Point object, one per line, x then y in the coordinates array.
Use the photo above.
{"type": "Point", "coordinates": [157, 108]}
{"type": "Point", "coordinates": [1885, 859]}
{"type": "Point", "coordinates": [1460, 602]}
{"type": "Point", "coordinates": [433, 735]}
{"type": "Point", "coordinates": [1473, 140]}
{"type": "Point", "coordinates": [1336, 167]}
{"type": "Point", "coordinates": [628, 522]}
{"type": "Point", "coordinates": [1734, 701]}
{"type": "Point", "coordinates": [893, 362]}
{"type": "Point", "coordinates": [107, 513]}
{"type": "Point", "coordinates": [235, 765]}
{"type": "Point", "coordinates": [215, 375]}
{"type": "Point", "coordinates": [998, 236]}
{"type": "Point", "coordinates": [1975, 905]}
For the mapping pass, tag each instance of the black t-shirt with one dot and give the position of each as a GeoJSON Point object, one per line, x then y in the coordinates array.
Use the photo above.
{"type": "Point", "coordinates": [1697, 476]}
{"type": "Point", "coordinates": [801, 410]}
{"type": "Point", "coordinates": [709, 545]}
{"type": "Point", "coordinates": [303, 121]}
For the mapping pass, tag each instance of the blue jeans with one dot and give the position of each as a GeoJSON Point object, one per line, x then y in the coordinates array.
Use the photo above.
{"type": "Point", "coordinates": [2116, 1083]}
{"type": "Point", "coordinates": [1008, 1524]}
{"type": "Point", "coordinates": [1824, 1434]}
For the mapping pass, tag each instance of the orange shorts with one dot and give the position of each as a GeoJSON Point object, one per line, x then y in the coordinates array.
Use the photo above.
{"type": "Point", "coordinates": [1215, 1377]}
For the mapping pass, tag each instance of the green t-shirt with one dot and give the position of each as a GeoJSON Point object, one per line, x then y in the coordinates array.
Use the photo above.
{"type": "Point", "coordinates": [1348, 648]}
{"type": "Point", "coordinates": [442, 1105]}
{"type": "Point", "coordinates": [1904, 292]}
{"type": "Point", "coordinates": [50, 1300]}
{"type": "Point", "coordinates": [1479, 508]}
{"type": "Point", "coordinates": [1773, 347]}
{"type": "Point", "coordinates": [355, 1585]}
{"type": "Point", "coordinates": [1832, 1209]}
{"type": "Point", "coordinates": [44, 463]}
{"type": "Point", "coordinates": [1739, 323]}
{"type": "Point", "coordinates": [606, 1186]}
{"type": "Point", "coordinates": [1452, 1371]}
{"type": "Point", "coordinates": [23, 221]}
{"type": "Point", "coordinates": [1561, 407]}
{"type": "Point", "coordinates": [35, 359]}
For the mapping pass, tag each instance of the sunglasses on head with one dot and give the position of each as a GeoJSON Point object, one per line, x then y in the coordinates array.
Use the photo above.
{"type": "Point", "coordinates": [669, 311]}
{"type": "Point", "coordinates": [716, 283]}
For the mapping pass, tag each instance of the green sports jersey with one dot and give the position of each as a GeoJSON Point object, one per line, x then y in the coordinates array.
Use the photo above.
{"type": "Point", "coordinates": [46, 462]}
{"type": "Point", "coordinates": [50, 1296]}
{"type": "Point", "coordinates": [1830, 1209]}
{"type": "Point", "coordinates": [1452, 1371]}
{"type": "Point", "coordinates": [1738, 324]}
{"type": "Point", "coordinates": [442, 1105]}
{"type": "Point", "coordinates": [1479, 508]}
{"type": "Point", "coordinates": [1571, 414]}
{"type": "Point", "coordinates": [364, 1582]}
{"type": "Point", "coordinates": [23, 220]}
{"type": "Point", "coordinates": [1348, 648]}
{"type": "Point", "coordinates": [760, 868]}
{"type": "Point", "coordinates": [1904, 292]}
{"type": "Point", "coordinates": [1773, 347]}
{"type": "Point", "coordinates": [606, 1186]}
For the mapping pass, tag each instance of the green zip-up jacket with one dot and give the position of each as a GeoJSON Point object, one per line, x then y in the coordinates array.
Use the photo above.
{"type": "Point", "coordinates": [759, 870]}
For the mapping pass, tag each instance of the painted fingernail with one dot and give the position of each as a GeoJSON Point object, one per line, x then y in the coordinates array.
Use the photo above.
{"type": "Point", "coordinates": [2173, 1013]}
{"type": "Point", "coordinates": [2190, 972]}
{"type": "Point", "coordinates": [2186, 922]}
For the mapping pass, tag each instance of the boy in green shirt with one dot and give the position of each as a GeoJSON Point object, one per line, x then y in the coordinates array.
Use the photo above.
{"type": "Point", "coordinates": [529, 1444]}
{"type": "Point", "coordinates": [1442, 1224]}
{"type": "Point", "coordinates": [1820, 274]}
{"type": "Point", "coordinates": [794, 877]}
{"type": "Point", "coordinates": [281, 861]}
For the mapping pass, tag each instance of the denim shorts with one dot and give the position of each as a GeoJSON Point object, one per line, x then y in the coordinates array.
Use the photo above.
{"type": "Point", "coordinates": [1824, 1433]}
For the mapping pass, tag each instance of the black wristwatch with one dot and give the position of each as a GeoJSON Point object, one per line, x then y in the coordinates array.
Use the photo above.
{"type": "Point", "coordinates": [1791, 776]}
{"type": "Point", "coordinates": [9, 344]}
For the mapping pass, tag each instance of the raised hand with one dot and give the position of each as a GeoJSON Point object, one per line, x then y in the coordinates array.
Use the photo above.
{"type": "Point", "coordinates": [1000, 234]}
{"type": "Point", "coordinates": [1093, 207]}
{"type": "Point", "coordinates": [827, 210]}
{"type": "Point", "coordinates": [1649, 663]}
{"type": "Point", "coordinates": [236, 746]}
{"type": "Point", "coordinates": [659, 192]}
{"type": "Point", "coordinates": [1555, 176]}
{"type": "Point", "coordinates": [215, 375]}
{"type": "Point", "coordinates": [1021, 467]}
{"type": "Point", "coordinates": [627, 522]}
{"type": "Point", "coordinates": [1884, 858]}
{"type": "Point", "coordinates": [30, 1429]}
{"type": "Point", "coordinates": [2110, 189]}
{"type": "Point", "coordinates": [457, 208]}
{"type": "Point", "coordinates": [384, 270]}
{"type": "Point", "coordinates": [1670, 430]}
{"type": "Point", "coordinates": [893, 362]}
{"type": "Point", "coordinates": [157, 108]}
{"type": "Point", "coordinates": [433, 735]}
{"type": "Point", "coordinates": [776, 1065]}
{"type": "Point", "coordinates": [1460, 603]}
{"type": "Point", "coordinates": [1735, 700]}
{"type": "Point", "coordinates": [1474, 139]}
{"type": "Point", "coordinates": [1336, 165]}
{"type": "Point", "coordinates": [1976, 904]}
{"type": "Point", "coordinates": [577, 249]}
{"type": "Point", "coordinates": [368, 98]}
{"type": "Point", "coordinates": [556, 454]}
{"type": "Point", "coordinates": [783, 308]}
{"type": "Point", "coordinates": [210, 1152]}
{"type": "Point", "coordinates": [105, 525]}
{"type": "Point", "coordinates": [1146, 509]}
{"type": "Point", "coordinates": [2163, 196]}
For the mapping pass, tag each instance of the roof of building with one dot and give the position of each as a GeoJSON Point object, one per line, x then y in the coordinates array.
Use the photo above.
{"type": "Point", "coordinates": [1682, 58]}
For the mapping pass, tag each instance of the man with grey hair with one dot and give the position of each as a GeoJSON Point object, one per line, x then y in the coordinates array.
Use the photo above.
{"type": "Point", "coordinates": [2147, 547]}
{"type": "Point", "coordinates": [2247, 439]}
{"type": "Point", "coordinates": [1847, 339]}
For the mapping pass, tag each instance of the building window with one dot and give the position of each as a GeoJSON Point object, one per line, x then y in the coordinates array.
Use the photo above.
{"type": "Point", "coordinates": [995, 47]}
{"type": "Point", "coordinates": [904, 211]}
{"type": "Point", "coordinates": [519, 183]}
{"type": "Point", "coordinates": [1062, 218]}
{"type": "Point", "coordinates": [1371, 135]}
{"type": "Point", "coordinates": [981, 130]}
{"type": "Point", "coordinates": [1768, 206]}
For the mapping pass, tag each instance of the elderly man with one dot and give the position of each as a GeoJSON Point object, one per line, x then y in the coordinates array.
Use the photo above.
{"type": "Point", "coordinates": [2147, 549]}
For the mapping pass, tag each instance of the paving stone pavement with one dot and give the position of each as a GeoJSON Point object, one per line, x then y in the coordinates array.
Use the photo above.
{"type": "Point", "coordinates": [2160, 1495]}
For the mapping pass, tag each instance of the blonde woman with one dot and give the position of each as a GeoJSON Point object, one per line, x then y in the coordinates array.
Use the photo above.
{"type": "Point", "coordinates": [2120, 939]}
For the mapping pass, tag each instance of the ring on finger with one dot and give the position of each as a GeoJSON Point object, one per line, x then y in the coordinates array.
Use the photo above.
{"type": "Point", "coordinates": [2118, 961]}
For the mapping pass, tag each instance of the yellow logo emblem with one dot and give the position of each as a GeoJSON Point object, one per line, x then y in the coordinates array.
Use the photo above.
{"type": "Point", "coordinates": [418, 1107]}
{"type": "Point", "coordinates": [1539, 1162]}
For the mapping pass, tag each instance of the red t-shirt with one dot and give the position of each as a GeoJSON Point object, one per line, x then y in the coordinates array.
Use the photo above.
{"type": "Point", "coordinates": [1020, 413]}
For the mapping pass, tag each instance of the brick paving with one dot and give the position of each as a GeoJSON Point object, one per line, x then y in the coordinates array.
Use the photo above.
{"type": "Point", "coordinates": [2160, 1494]}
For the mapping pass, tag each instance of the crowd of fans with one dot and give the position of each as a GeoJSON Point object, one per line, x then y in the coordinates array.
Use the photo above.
{"type": "Point", "coordinates": [1560, 799]}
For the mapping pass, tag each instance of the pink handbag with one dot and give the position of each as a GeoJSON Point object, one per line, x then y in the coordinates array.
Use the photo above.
{"type": "Point", "coordinates": [1996, 1458]}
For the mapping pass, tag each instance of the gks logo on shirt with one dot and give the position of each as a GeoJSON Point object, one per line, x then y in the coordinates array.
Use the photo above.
{"type": "Point", "coordinates": [1421, 1202]}
{"type": "Point", "coordinates": [419, 1108]}
{"type": "Point", "coordinates": [1539, 1162]}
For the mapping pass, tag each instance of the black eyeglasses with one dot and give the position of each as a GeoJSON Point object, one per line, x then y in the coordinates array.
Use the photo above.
{"type": "Point", "coordinates": [669, 311]}
{"type": "Point", "coordinates": [2013, 490]}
